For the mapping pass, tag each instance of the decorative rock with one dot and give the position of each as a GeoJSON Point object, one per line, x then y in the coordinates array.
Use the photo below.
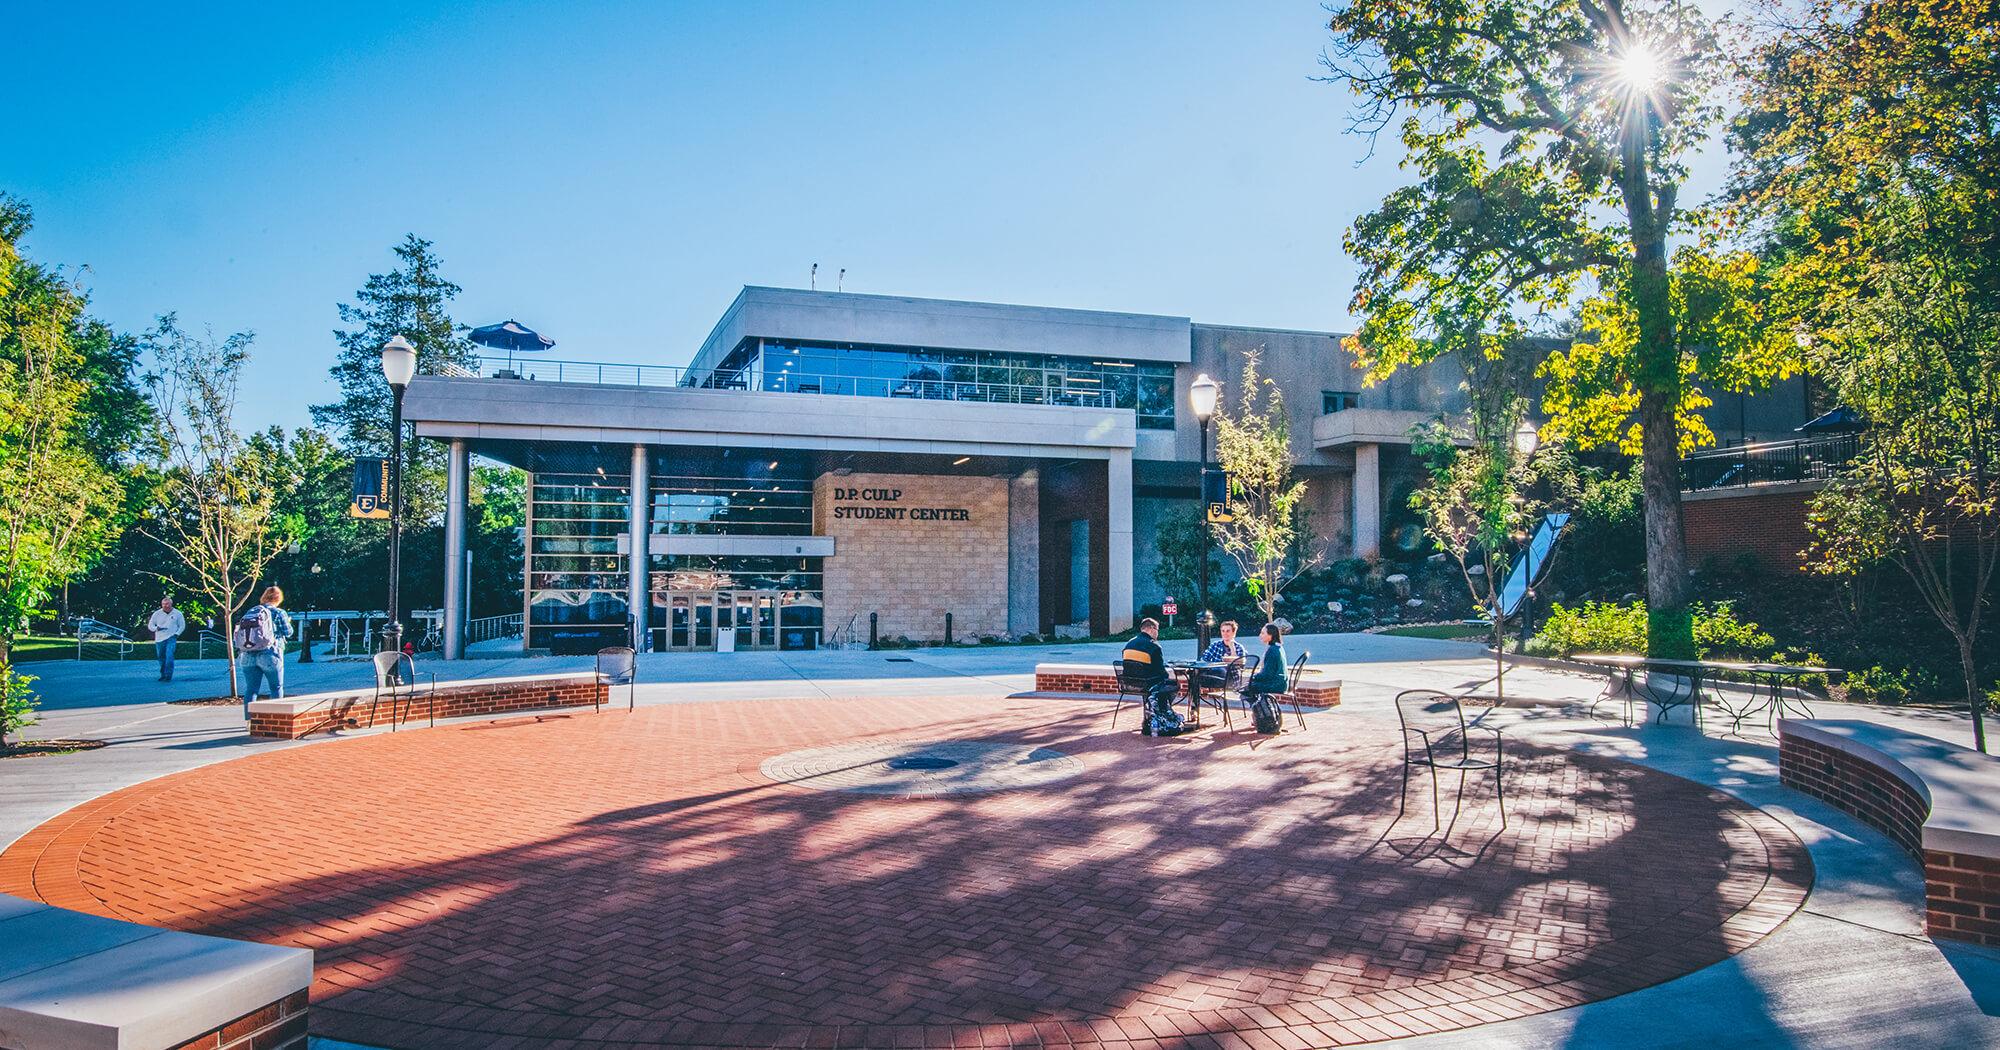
{"type": "Point", "coordinates": [1475, 570]}
{"type": "Point", "coordinates": [1400, 581]}
{"type": "Point", "coordinates": [1415, 603]}
{"type": "Point", "coordinates": [1335, 607]}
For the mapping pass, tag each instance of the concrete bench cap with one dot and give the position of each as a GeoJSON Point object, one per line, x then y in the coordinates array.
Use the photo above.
{"type": "Point", "coordinates": [84, 982]}
{"type": "Point", "coordinates": [1957, 782]}
{"type": "Point", "coordinates": [293, 705]}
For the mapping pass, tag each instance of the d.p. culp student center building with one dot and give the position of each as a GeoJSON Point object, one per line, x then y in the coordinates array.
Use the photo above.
{"type": "Point", "coordinates": [828, 458]}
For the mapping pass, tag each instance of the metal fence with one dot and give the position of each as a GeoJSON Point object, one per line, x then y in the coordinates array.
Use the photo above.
{"type": "Point", "coordinates": [487, 628]}
{"type": "Point", "coordinates": [1078, 389]}
{"type": "Point", "coordinates": [1808, 459]}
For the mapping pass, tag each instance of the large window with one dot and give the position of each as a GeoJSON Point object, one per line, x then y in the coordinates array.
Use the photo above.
{"type": "Point", "coordinates": [755, 497]}
{"type": "Point", "coordinates": [1146, 387]}
{"type": "Point", "coordinates": [576, 577]}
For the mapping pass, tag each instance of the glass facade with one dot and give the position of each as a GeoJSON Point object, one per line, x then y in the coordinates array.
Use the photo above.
{"type": "Point", "coordinates": [760, 601]}
{"type": "Point", "coordinates": [1146, 387]}
{"type": "Point", "coordinates": [575, 576]}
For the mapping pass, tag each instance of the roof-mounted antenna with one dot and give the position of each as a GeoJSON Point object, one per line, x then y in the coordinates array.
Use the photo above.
{"type": "Point", "coordinates": [813, 281]}
{"type": "Point", "coordinates": [842, 286]}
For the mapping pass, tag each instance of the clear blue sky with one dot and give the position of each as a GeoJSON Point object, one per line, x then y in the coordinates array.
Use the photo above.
{"type": "Point", "coordinates": [611, 174]}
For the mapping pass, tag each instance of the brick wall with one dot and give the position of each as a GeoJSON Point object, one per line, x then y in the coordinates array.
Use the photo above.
{"type": "Point", "coordinates": [1961, 890]}
{"type": "Point", "coordinates": [279, 1026]}
{"type": "Point", "coordinates": [496, 696]}
{"type": "Point", "coordinates": [1081, 678]}
{"type": "Point", "coordinates": [912, 569]}
{"type": "Point", "coordinates": [1767, 523]}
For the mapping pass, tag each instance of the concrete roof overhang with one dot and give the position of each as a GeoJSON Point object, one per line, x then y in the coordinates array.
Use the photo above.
{"type": "Point", "coordinates": [1366, 426]}
{"type": "Point", "coordinates": [895, 320]}
{"type": "Point", "coordinates": [576, 415]}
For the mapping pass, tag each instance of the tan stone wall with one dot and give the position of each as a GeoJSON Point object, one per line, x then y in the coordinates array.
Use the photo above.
{"type": "Point", "coordinates": [912, 567]}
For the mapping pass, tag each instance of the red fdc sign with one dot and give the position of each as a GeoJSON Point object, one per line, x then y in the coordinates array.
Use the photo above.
{"type": "Point", "coordinates": [1169, 607]}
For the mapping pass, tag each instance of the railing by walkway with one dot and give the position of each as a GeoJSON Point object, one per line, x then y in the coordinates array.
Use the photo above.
{"type": "Point", "coordinates": [487, 628]}
{"type": "Point", "coordinates": [1071, 387]}
{"type": "Point", "coordinates": [1809, 459]}
{"type": "Point", "coordinates": [97, 636]}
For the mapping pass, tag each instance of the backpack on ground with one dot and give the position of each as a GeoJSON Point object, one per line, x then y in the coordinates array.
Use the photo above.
{"type": "Point", "coordinates": [1264, 712]}
{"type": "Point", "coordinates": [254, 633]}
{"type": "Point", "coordinates": [1161, 718]}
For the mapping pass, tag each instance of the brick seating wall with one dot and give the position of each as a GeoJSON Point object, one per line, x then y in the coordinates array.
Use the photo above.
{"type": "Point", "coordinates": [279, 1026]}
{"type": "Point", "coordinates": [1961, 890]}
{"type": "Point", "coordinates": [1078, 678]}
{"type": "Point", "coordinates": [454, 699]}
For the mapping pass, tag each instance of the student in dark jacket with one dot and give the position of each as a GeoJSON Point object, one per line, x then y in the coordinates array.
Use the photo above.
{"type": "Point", "coordinates": [1144, 662]}
{"type": "Point", "coordinates": [1270, 679]}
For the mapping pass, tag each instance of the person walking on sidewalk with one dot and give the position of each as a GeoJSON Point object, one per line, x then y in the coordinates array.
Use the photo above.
{"type": "Point", "coordinates": [167, 624]}
{"type": "Point", "coordinates": [260, 643]}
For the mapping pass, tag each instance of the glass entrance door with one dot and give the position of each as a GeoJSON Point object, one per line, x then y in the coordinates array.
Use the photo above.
{"type": "Point", "coordinates": [696, 619]}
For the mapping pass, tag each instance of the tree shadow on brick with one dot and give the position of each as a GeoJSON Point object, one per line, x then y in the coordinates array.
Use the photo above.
{"type": "Point", "coordinates": [657, 893]}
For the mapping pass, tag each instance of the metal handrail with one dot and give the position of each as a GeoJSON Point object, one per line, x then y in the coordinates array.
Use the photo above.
{"type": "Point", "coordinates": [787, 381]}
{"type": "Point", "coordinates": [1771, 462]}
{"type": "Point", "coordinates": [202, 640]}
{"type": "Point", "coordinates": [88, 629]}
{"type": "Point", "coordinates": [487, 628]}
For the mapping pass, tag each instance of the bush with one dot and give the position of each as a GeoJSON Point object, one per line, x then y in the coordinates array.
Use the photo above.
{"type": "Point", "coordinates": [1882, 685]}
{"type": "Point", "coordinates": [1596, 627]}
{"type": "Point", "coordinates": [17, 702]}
{"type": "Point", "coordinates": [1615, 627]}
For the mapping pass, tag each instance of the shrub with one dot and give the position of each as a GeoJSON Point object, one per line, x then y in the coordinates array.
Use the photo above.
{"type": "Point", "coordinates": [1883, 685]}
{"type": "Point", "coordinates": [17, 702]}
{"type": "Point", "coordinates": [1615, 627]}
{"type": "Point", "coordinates": [1595, 627]}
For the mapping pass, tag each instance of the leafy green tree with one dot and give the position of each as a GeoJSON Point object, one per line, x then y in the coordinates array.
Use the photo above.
{"type": "Point", "coordinates": [413, 300]}
{"type": "Point", "coordinates": [1549, 142]}
{"type": "Point", "coordinates": [218, 511]}
{"type": "Point", "coordinates": [1253, 445]}
{"type": "Point", "coordinates": [1183, 541]}
{"type": "Point", "coordinates": [58, 503]}
{"type": "Point", "coordinates": [1870, 142]}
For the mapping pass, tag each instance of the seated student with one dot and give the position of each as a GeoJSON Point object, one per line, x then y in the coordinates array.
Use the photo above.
{"type": "Point", "coordinates": [1146, 665]}
{"type": "Point", "coordinates": [1269, 680]}
{"type": "Point", "coordinates": [1224, 650]}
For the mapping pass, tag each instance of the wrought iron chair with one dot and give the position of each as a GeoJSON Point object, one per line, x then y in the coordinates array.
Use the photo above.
{"type": "Point", "coordinates": [619, 665]}
{"type": "Point", "coordinates": [1128, 686]}
{"type": "Point", "coordinates": [1436, 737]}
{"type": "Point", "coordinates": [1234, 682]}
{"type": "Point", "coordinates": [396, 675]}
{"type": "Point", "coordinates": [1292, 687]}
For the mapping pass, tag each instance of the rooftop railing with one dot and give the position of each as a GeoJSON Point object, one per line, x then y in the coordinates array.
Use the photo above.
{"type": "Point", "coordinates": [1806, 459]}
{"type": "Point", "coordinates": [1072, 388]}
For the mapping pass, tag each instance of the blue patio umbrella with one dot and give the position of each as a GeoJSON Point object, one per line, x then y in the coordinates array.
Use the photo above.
{"type": "Point", "coordinates": [513, 337]}
{"type": "Point", "coordinates": [1842, 420]}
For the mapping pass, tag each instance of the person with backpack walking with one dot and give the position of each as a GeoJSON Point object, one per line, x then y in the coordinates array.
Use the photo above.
{"type": "Point", "coordinates": [260, 646]}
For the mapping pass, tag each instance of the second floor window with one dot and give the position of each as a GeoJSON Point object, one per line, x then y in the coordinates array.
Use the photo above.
{"type": "Point", "coordinates": [1331, 401]}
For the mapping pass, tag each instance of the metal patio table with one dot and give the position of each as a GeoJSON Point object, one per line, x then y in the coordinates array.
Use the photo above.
{"type": "Point", "coordinates": [1191, 672]}
{"type": "Point", "coordinates": [1767, 684]}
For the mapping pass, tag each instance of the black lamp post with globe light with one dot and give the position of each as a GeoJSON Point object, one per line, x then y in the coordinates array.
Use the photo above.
{"type": "Point", "coordinates": [1202, 398]}
{"type": "Point", "coordinates": [399, 365]}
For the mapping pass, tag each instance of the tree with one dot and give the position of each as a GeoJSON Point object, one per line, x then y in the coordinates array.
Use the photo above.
{"type": "Point", "coordinates": [218, 512]}
{"type": "Point", "coordinates": [413, 300]}
{"type": "Point", "coordinates": [1183, 542]}
{"type": "Point", "coordinates": [1549, 138]}
{"type": "Point", "coordinates": [58, 504]}
{"type": "Point", "coordinates": [1253, 445]}
{"type": "Point", "coordinates": [1870, 172]}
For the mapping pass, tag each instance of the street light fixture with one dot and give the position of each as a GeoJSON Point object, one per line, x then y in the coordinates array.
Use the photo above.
{"type": "Point", "coordinates": [399, 365]}
{"type": "Point", "coordinates": [312, 603]}
{"type": "Point", "coordinates": [1202, 397]}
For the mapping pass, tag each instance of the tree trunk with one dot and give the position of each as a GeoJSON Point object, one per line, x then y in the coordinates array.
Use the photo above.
{"type": "Point", "coordinates": [1973, 701]}
{"type": "Point", "coordinates": [1669, 625]}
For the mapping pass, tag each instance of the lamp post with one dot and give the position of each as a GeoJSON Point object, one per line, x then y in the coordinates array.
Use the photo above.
{"type": "Point", "coordinates": [1202, 397]}
{"type": "Point", "coordinates": [1524, 441]}
{"type": "Point", "coordinates": [312, 603]}
{"type": "Point", "coordinates": [399, 364]}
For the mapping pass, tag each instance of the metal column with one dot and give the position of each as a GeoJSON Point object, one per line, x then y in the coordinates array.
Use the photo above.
{"type": "Point", "coordinates": [455, 485]}
{"type": "Point", "coordinates": [640, 599]}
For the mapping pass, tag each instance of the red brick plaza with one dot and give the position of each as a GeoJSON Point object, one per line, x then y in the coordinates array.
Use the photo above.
{"type": "Point", "coordinates": [627, 879]}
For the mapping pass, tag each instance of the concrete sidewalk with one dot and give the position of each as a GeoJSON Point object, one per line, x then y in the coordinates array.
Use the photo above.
{"type": "Point", "coordinates": [1852, 969]}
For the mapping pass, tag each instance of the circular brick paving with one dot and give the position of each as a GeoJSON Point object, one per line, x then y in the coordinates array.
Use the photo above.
{"type": "Point", "coordinates": [921, 769]}
{"type": "Point", "coordinates": [633, 879]}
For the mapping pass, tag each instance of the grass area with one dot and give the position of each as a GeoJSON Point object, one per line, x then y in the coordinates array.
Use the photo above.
{"type": "Point", "coordinates": [1447, 631]}
{"type": "Point", "coordinates": [38, 647]}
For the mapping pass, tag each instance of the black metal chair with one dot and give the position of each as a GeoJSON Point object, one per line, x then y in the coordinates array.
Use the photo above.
{"type": "Point", "coordinates": [1234, 682]}
{"type": "Point", "coordinates": [396, 675]}
{"type": "Point", "coordinates": [1127, 686]}
{"type": "Point", "coordinates": [1436, 737]}
{"type": "Point", "coordinates": [1292, 687]}
{"type": "Point", "coordinates": [619, 665]}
